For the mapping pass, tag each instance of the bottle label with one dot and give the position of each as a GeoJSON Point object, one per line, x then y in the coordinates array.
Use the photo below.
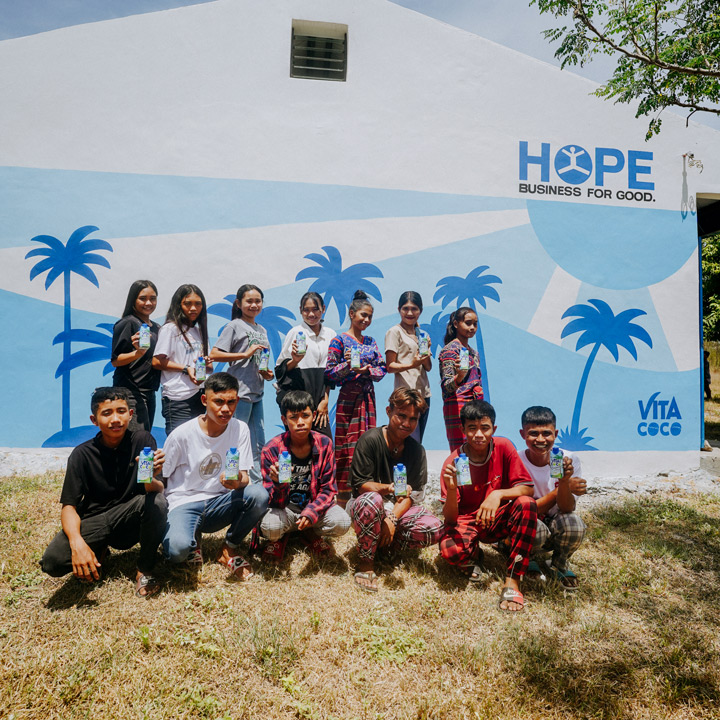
{"type": "Point", "coordinates": [144, 339]}
{"type": "Point", "coordinates": [145, 468]}
{"type": "Point", "coordinates": [556, 464]}
{"type": "Point", "coordinates": [462, 468]}
{"type": "Point", "coordinates": [301, 343]}
{"type": "Point", "coordinates": [232, 466]}
{"type": "Point", "coordinates": [264, 359]}
{"type": "Point", "coordinates": [464, 359]}
{"type": "Point", "coordinates": [355, 357]}
{"type": "Point", "coordinates": [423, 344]}
{"type": "Point", "coordinates": [200, 373]}
{"type": "Point", "coordinates": [400, 483]}
{"type": "Point", "coordinates": [285, 469]}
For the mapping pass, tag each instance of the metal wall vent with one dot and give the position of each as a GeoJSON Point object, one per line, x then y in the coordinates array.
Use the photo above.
{"type": "Point", "coordinates": [319, 50]}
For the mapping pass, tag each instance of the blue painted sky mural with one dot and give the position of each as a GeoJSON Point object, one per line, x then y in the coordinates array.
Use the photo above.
{"type": "Point", "coordinates": [194, 164]}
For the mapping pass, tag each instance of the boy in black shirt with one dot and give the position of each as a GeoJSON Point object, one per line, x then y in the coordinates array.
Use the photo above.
{"type": "Point", "coordinates": [103, 504]}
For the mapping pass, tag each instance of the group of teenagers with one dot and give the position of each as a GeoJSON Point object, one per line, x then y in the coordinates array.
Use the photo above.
{"type": "Point", "coordinates": [510, 501]}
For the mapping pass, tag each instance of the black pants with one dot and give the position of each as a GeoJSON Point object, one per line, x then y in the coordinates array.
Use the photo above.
{"type": "Point", "coordinates": [143, 406]}
{"type": "Point", "coordinates": [141, 519]}
{"type": "Point", "coordinates": [177, 412]}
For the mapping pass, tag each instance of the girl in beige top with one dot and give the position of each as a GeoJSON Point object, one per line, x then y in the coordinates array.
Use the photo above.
{"type": "Point", "coordinates": [402, 356]}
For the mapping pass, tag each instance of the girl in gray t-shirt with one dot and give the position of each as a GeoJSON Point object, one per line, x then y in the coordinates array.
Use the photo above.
{"type": "Point", "coordinates": [241, 344]}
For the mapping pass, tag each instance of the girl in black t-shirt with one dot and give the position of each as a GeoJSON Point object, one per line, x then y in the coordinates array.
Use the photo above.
{"type": "Point", "coordinates": [133, 364]}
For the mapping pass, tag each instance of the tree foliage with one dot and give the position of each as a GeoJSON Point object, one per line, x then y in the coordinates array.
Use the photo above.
{"type": "Point", "coordinates": [711, 286]}
{"type": "Point", "coordinates": [668, 53]}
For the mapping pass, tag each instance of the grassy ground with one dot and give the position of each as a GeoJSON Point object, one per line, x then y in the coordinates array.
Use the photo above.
{"type": "Point", "coordinates": [638, 641]}
{"type": "Point", "coordinates": [712, 411]}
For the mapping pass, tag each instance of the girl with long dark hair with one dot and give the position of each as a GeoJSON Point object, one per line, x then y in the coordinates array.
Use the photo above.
{"type": "Point", "coordinates": [402, 354]}
{"type": "Point", "coordinates": [459, 385]}
{"type": "Point", "coordinates": [132, 363]}
{"type": "Point", "coordinates": [241, 344]}
{"type": "Point", "coordinates": [181, 341]}
{"type": "Point", "coordinates": [306, 371]}
{"type": "Point", "coordinates": [356, 400]}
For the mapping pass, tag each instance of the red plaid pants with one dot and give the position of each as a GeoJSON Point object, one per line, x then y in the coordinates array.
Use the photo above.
{"type": "Point", "coordinates": [515, 520]}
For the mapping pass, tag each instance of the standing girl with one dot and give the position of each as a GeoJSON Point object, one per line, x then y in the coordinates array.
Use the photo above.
{"type": "Point", "coordinates": [133, 364]}
{"type": "Point", "coordinates": [459, 386]}
{"type": "Point", "coordinates": [402, 354]}
{"type": "Point", "coordinates": [296, 371]}
{"type": "Point", "coordinates": [356, 400]}
{"type": "Point", "coordinates": [182, 340]}
{"type": "Point", "coordinates": [242, 344]}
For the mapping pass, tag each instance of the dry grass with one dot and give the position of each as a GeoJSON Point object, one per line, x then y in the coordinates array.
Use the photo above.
{"type": "Point", "coordinates": [712, 410]}
{"type": "Point", "coordinates": [639, 641]}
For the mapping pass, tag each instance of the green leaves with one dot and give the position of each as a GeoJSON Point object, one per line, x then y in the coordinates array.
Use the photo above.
{"type": "Point", "coordinates": [668, 53]}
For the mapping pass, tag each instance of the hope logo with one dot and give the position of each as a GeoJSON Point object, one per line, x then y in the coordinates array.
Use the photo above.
{"type": "Point", "coordinates": [573, 164]}
{"type": "Point", "coordinates": [659, 416]}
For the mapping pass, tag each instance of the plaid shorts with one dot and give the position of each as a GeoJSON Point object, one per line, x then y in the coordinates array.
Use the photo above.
{"type": "Point", "coordinates": [559, 536]}
{"type": "Point", "coordinates": [515, 520]}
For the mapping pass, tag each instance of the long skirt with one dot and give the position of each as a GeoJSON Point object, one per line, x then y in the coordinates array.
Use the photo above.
{"type": "Point", "coordinates": [354, 415]}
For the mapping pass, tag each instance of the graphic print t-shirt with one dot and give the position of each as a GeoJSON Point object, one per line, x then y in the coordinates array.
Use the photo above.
{"type": "Point", "coordinates": [237, 337]}
{"type": "Point", "coordinates": [194, 461]}
{"type": "Point", "coordinates": [299, 490]}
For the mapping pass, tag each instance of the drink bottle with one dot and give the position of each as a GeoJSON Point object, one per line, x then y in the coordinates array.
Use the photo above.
{"type": "Point", "coordinates": [301, 342]}
{"type": "Point", "coordinates": [400, 480]}
{"type": "Point", "coordinates": [145, 466]}
{"type": "Point", "coordinates": [232, 464]}
{"type": "Point", "coordinates": [556, 463]}
{"type": "Point", "coordinates": [285, 467]}
{"type": "Point", "coordinates": [200, 370]}
{"type": "Point", "coordinates": [462, 468]}
{"type": "Point", "coordinates": [144, 339]}
{"type": "Point", "coordinates": [355, 357]}
{"type": "Point", "coordinates": [464, 358]}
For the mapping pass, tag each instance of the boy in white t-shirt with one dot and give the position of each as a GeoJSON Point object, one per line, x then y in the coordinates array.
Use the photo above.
{"type": "Point", "coordinates": [200, 497]}
{"type": "Point", "coordinates": [560, 530]}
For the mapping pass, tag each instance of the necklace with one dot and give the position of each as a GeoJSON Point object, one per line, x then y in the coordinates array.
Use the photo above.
{"type": "Point", "coordinates": [393, 450]}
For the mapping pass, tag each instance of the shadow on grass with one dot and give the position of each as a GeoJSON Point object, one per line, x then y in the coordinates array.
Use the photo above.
{"type": "Point", "coordinates": [655, 596]}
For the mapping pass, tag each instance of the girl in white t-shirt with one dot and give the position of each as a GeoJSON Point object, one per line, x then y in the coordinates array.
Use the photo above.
{"type": "Point", "coordinates": [307, 371]}
{"type": "Point", "coordinates": [402, 354]}
{"type": "Point", "coordinates": [241, 344]}
{"type": "Point", "coordinates": [181, 341]}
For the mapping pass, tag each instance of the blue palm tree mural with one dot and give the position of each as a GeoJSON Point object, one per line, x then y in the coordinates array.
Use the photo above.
{"type": "Point", "coordinates": [272, 318]}
{"type": "Point", "coordinates": [61, 260]}
{"type": "Point", "coordinates": [338, 285]}
{"type": "Point", "coordinates": [600, 327]}
{"type": "Point", "coordinates": [474, 286]}
{"type": "Point", "coordinates": [436, 330]}
{"type": "Point", "coordinates": [101, 352]}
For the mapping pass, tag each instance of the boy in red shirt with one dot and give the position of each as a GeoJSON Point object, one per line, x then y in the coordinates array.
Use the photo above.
{"type": "Point", "coordinates": [497, 504]}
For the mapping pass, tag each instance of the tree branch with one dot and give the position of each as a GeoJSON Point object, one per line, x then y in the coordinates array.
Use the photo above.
{"type": "Point", "coordinates": [581, 15]}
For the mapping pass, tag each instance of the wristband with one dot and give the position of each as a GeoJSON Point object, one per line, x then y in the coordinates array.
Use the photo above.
{"type": "Point", "coordinates": [393, 518]}
{"type": "Point", "coordinates": [185, 370]}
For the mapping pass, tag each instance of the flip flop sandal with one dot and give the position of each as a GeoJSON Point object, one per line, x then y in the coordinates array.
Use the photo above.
{"type": "Point", "coordinates": [236, 564]}
{"type": "Point", "coordinates": [318, 546]}
{"type": "Point", "coordinates": [510, 595]}
{"type": "Point", "coordinates": [478, 574]}
{"type": "Point", "coordinates": [563, 576]}
{"type": "Point", "coordinates": [146, 587]}
{"type": "Point", "coordinates": [274, 551]}
{"type": "Point", "coordinates": [535, 572]}
{"type": "Point", "coordinates": [370, 576]}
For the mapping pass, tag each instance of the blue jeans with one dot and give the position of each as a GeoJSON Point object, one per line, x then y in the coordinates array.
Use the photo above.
{"type": "Point", "coordinates": [240, 509]}
{"type": "Point", "coordinates": [252, 413]}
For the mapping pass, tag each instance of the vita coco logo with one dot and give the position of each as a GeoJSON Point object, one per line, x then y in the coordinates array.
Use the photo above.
{"type": "Point", "coordinates": [659, 416]}
{"type": "Point", "coordinates": [573, 165]}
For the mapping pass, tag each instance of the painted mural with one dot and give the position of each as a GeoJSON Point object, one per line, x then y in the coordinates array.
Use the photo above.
{"type": "Point", "coordinates": [580, 267]}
